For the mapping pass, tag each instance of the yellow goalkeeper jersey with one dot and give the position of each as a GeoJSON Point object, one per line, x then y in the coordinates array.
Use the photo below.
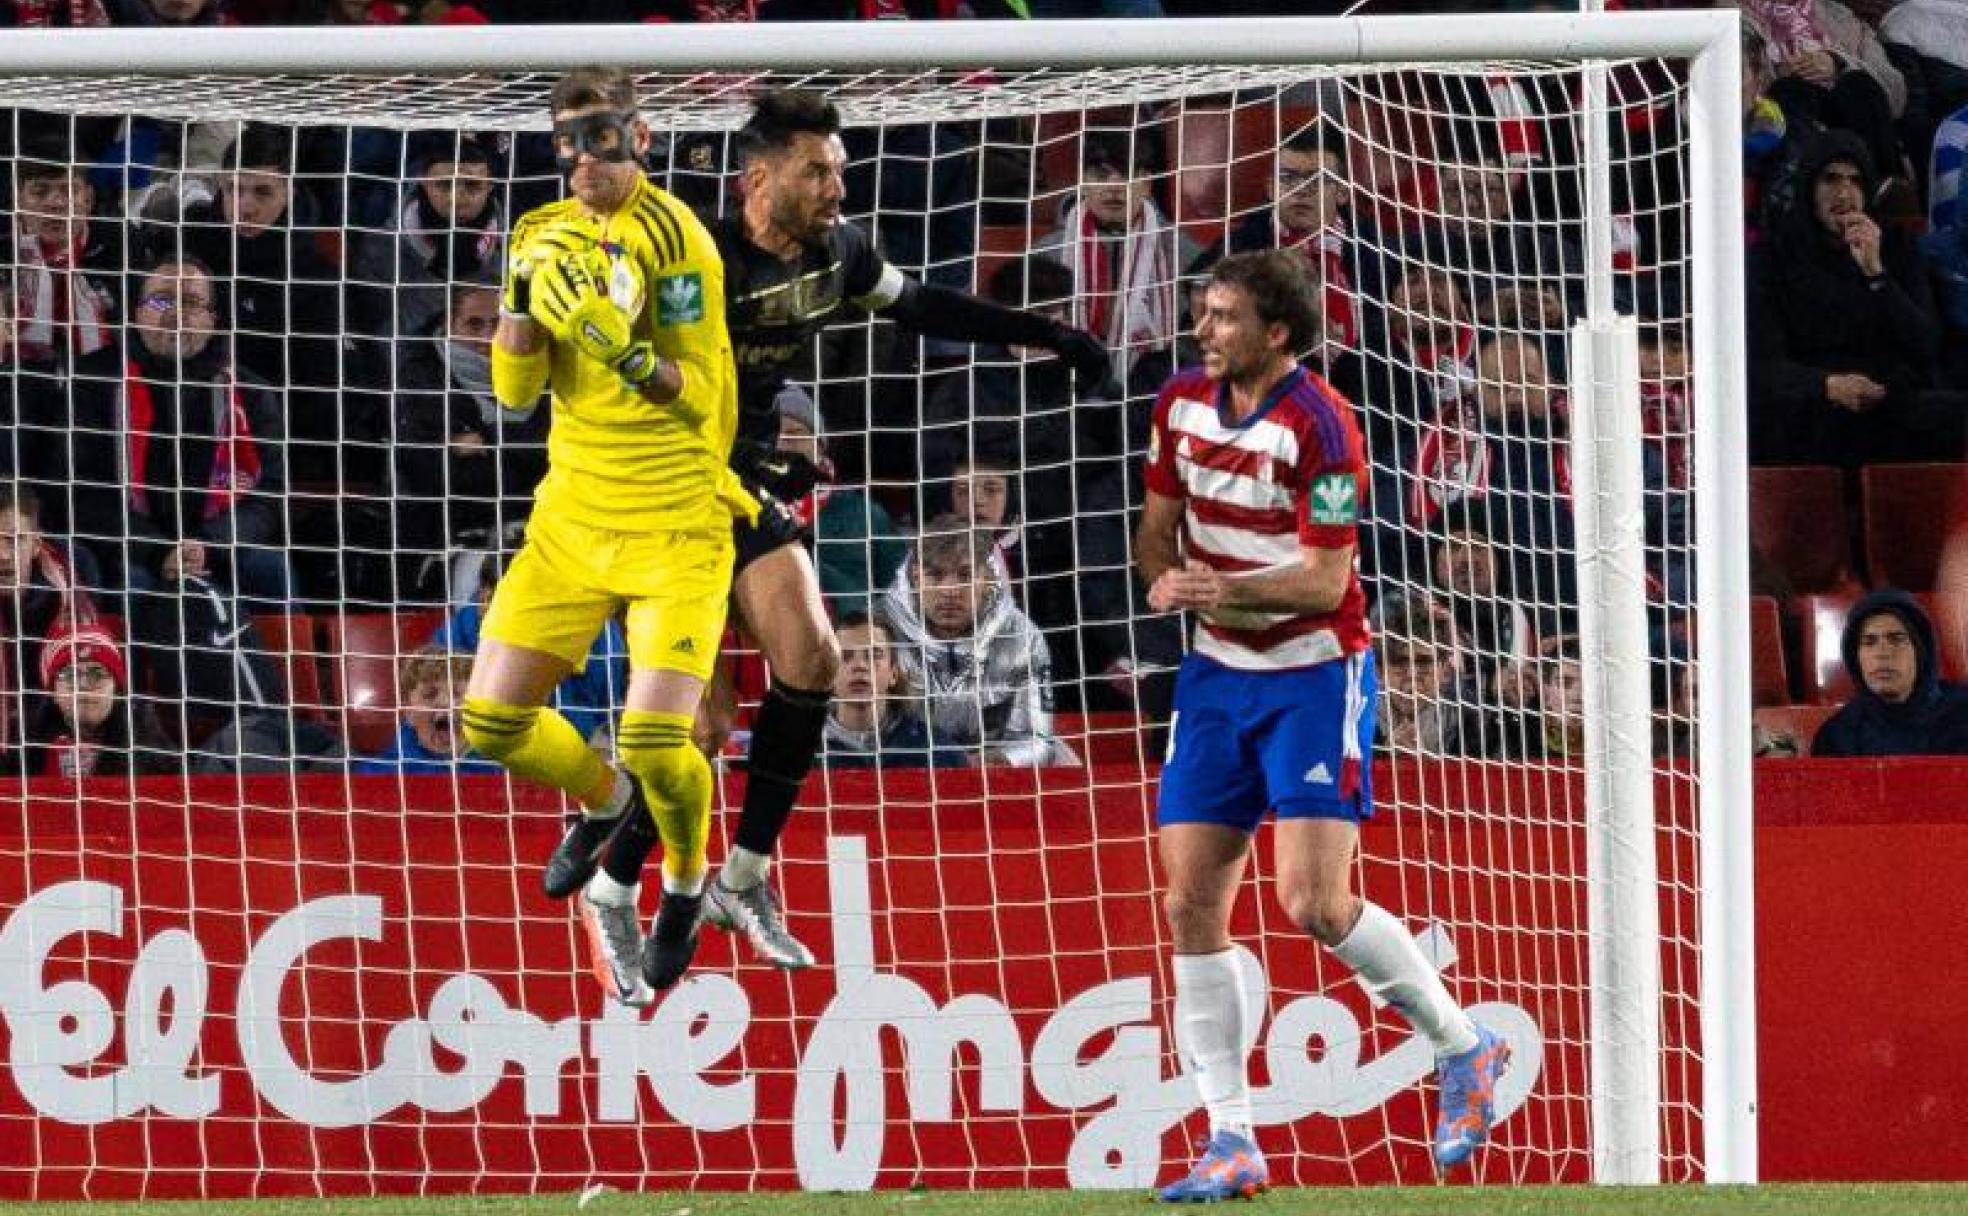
{"type": "Point", "coordinates": [615, 459]}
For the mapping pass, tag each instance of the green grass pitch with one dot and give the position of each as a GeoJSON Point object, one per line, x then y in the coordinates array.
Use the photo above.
{"type": "Point", "coordinates": [1856, 1200]}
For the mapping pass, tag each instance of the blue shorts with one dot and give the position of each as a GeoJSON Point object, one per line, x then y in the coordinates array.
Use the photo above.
{"type": "Point", "coordinates": [1244, 742]}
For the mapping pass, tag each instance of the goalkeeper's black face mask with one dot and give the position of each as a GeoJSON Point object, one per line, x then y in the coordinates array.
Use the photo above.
{"type": "Point", "coordinates": [607, 135]}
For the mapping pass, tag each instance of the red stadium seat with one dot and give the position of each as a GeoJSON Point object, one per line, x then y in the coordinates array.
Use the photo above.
{"type": "Point", "coordinates": [1929, 603]}
{"type": "Point", "coordinates": [1825, 681]}
{"type": "Point", "coordinates": [363, 652]}
{"type": "Point", "coordinates": [290, 643]}
{"type": "Point", "coordinates": [1797, 522]}
{"type": "Point", "coordinates": [1906, 520]}
{"type": "Point", "coordinates": [1770, 675]}
{"type": "Point", "coordinates": [1106, 737]}
{"type": "Point", "coordinates": [1800, 722]}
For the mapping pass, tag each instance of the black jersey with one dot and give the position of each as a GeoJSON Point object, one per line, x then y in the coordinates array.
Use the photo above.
{"type": "Point", "coordinates": [774, 307]}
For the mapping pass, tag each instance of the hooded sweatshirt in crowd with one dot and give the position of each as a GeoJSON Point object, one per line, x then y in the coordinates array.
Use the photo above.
{"type": "Point", "coordinates": [1931, 722]}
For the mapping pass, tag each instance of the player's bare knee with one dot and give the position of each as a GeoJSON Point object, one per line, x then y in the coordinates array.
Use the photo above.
{"type": "Point", "coordinates": [1327, 916]}
{"type": "Point", "coordinates": [1191, 916]}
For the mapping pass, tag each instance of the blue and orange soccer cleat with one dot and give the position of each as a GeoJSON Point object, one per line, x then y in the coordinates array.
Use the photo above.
{"type": "Point", "coordinates": [1230, 1168]}
{"type": "Point", "coordinates": [1468, 1098]}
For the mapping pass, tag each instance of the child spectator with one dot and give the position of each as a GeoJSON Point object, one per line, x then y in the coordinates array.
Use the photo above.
{"type": "Point", "coordinates": [1423, 707]}
{"type": "Point", "coordinates": [41, 591]}
{"type": "Point", "coordinates": [981, 663]}
{"type": "Point", "coordinates": [88, 726]}
{"type": "Point", "coordinates": [875, 721]}
{"type": "Point", "coordinates": [430, 683]}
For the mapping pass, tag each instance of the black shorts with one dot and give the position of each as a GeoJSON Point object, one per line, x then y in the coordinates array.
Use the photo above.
{"type": "Point", "coordinates": [776, 528]}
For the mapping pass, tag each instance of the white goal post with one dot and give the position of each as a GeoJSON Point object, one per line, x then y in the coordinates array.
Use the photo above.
{"type": "Point", "coordinates": [697, 79]}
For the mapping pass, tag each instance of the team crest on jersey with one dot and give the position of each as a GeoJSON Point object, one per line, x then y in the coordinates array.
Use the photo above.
{"type": "Point", "coordinates": [625, 290]}
{"type": "Point", "coordinates": [1335, 499]}
{"type": "Point", "coordinates": [679, 299]}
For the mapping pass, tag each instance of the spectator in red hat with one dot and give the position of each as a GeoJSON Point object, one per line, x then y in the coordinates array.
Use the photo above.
{"type": "Point", "coordinates": [88, 726]}
{"type": "Point", "coordinates": [41, 586]}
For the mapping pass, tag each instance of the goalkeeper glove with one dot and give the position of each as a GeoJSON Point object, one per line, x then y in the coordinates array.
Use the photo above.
{"type": "Point", "coordinates": [541, 247]}
{"type": "Point", "coordinates": [570, 298]}
{"type": "Point", "coordinates": [1085, 354]}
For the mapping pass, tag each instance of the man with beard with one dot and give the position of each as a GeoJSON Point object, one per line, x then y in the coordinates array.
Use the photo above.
{"type": "Point", "coordinates": [1843, 330]}
{"type": "Point", "coordinates": [792, 267]}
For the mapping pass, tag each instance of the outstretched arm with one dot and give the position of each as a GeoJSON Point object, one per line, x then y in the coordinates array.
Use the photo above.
{"type": "Point", "coordinates": [941, 312]}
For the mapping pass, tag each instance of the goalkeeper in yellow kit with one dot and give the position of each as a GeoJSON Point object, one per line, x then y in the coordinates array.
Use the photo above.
{"type": "Point", "coordinates": [615, 297]}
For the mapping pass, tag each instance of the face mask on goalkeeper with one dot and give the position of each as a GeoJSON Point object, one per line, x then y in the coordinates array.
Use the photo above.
{"type": "Point", "coordinates": [606, 135]}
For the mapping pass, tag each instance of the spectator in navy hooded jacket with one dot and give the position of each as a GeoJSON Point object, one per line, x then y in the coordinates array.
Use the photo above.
{"type": "Point", "coordinates": [1902, 708]}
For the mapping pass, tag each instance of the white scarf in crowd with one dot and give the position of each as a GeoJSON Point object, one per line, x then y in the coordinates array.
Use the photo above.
{"type": "Point", "coordinates": [1145, 295]}
{"type": "Point", "coordinates": [41, 314]}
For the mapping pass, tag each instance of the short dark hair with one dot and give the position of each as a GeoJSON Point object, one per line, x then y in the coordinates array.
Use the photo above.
{"type": "Point", "coordinates": [778, 115]}
{"type": "Point", "coordinates": [47, 153]}
{"type": "Point", "coordinates": [860, 617]}
{"type": "Point", "coordinates": [20, 498]}
{"type": "Point", "coordinates": [1280, 290]}
{"type": "Point", "coordinates": [1317, 138]}
{"type": "Point", "coordinates": [1121, 153]}
{"type": "Point", "coordinates": [593, 86]}
{"type": "Point", "coordinates": [262, 146]}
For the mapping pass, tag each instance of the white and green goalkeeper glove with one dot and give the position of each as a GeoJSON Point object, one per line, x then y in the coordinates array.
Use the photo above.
{"type": "Point", "coordinates": [570, 298]}
{"type": "Point", "coordinates": [540, 247]}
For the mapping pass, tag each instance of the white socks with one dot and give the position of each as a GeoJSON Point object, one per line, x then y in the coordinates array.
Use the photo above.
{"type": "Point", "coordinates": [744, 869]}
{"type": "Point", "coordinates": [605, 892]}
{"type": "Point", "coordinates": [1382, 952]}
{"type": "Point", "coordinates": [1209, 1031]}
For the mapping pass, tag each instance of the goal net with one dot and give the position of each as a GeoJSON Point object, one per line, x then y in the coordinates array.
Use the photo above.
{"type": "Point", "coordinates": [273, 930]}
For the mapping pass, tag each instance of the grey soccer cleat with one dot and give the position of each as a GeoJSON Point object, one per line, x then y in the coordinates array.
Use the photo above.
{"type": "Point", "coordinates": [615, 950]}
{"type": "Point", "coordinates": [755, 912]}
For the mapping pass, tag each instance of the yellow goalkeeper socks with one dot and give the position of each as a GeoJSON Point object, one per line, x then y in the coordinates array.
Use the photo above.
{"type": "Point", "coordinates": [656, 748]}
{"type": "Point", "coordinates": [538, 744]}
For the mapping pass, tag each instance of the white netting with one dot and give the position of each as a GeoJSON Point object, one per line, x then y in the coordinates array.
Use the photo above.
{"type": "Point", "coordinates": [348, 436]}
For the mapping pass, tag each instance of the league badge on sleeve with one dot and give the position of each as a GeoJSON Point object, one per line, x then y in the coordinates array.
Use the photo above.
{"type": "Point", "coordinates": [1335, 500]}
{"type": "Point", "coordinates": [679, 299]}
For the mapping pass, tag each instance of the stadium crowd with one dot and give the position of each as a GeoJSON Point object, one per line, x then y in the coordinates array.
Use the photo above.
{"type": "Point", "coordinates": [247, 385]}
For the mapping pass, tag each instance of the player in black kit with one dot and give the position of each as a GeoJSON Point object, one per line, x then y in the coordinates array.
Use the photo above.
{"type": "Point", "coordinates": [792, 266]}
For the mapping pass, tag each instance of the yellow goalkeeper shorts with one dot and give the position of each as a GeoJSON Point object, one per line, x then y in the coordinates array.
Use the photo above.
{"type": "Point", "coordinates": [569, 578]}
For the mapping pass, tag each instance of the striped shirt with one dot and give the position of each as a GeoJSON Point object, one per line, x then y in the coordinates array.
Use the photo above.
{"type": "Point", "coordinates": [1290, 476]}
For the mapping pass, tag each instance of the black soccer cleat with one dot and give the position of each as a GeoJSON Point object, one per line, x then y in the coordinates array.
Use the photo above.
{"type": "Point", "coordinates": [672, 940]}
{"type": "Point", "coordinates": [581, 851]}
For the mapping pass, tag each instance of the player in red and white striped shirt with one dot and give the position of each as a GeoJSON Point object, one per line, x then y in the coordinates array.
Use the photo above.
{"type": "Point", "coordinates": [1256, 477]}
